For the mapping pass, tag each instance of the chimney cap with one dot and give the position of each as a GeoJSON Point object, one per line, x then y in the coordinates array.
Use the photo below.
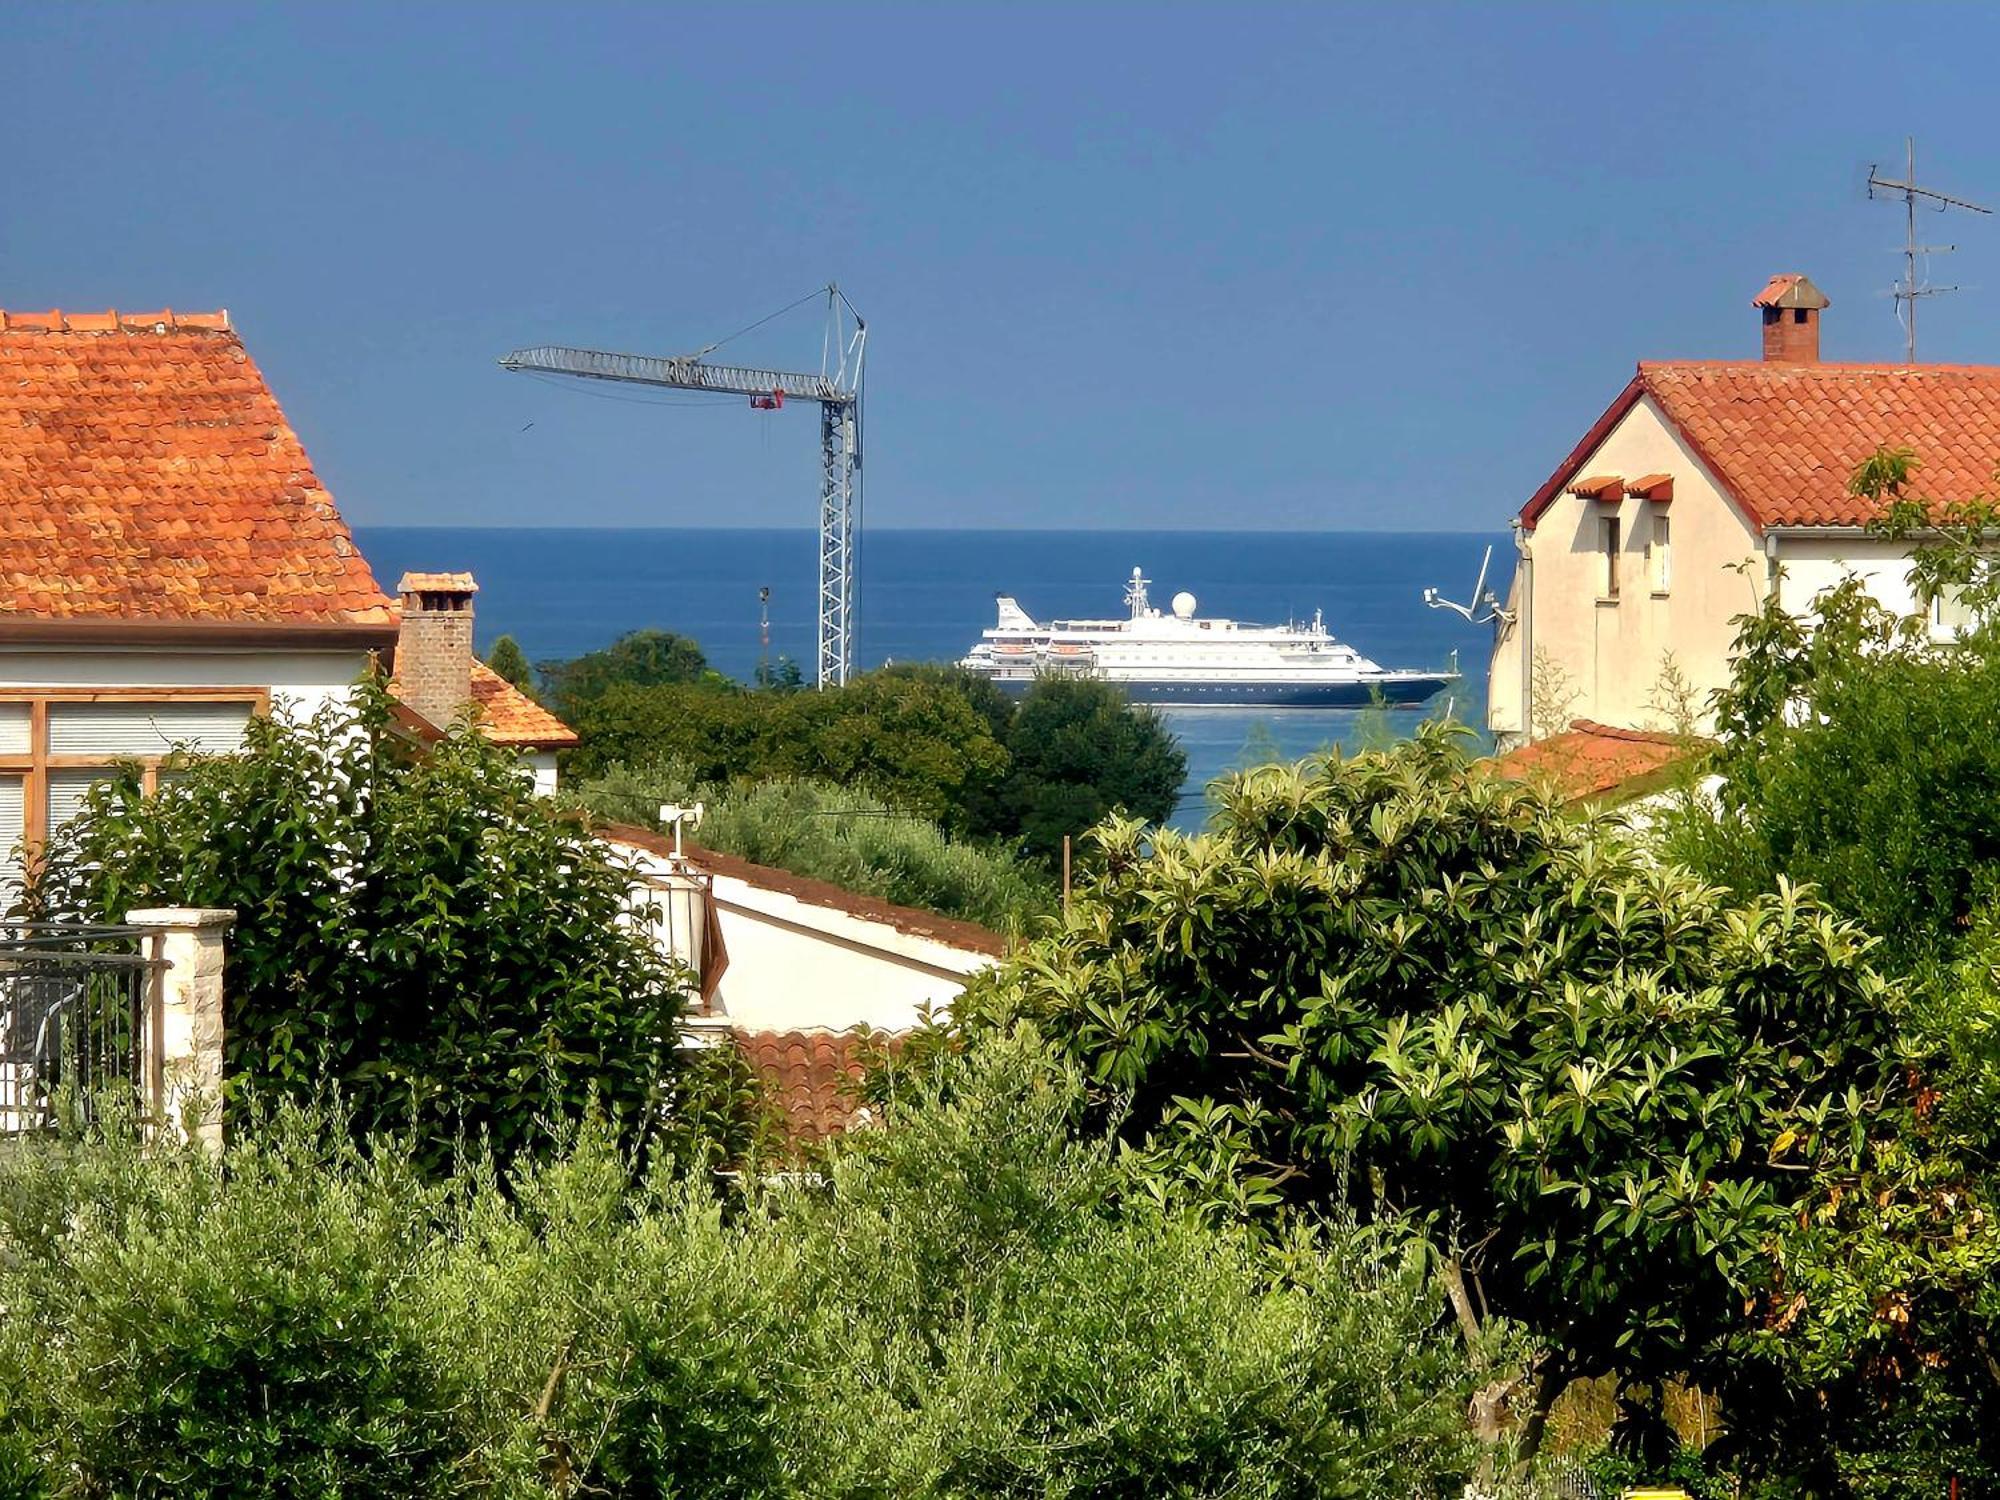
{"type": "Point", "coordinates": [437, 583]}
{"type": "Point", "coordinates": [1790, 290]}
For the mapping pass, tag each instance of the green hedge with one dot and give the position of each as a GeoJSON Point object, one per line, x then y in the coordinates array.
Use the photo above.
{"type": "Point", "coordinates": [965, 1304]}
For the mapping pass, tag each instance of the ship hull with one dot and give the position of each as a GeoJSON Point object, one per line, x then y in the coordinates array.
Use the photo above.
{"type": "Point", "coordinates": [1401, 691]}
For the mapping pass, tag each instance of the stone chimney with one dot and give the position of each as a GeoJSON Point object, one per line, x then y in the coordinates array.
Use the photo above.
{"type": "Point", "coordinates": [434, 650]}
{"type": "Point", "coordinates": [1791, 306]}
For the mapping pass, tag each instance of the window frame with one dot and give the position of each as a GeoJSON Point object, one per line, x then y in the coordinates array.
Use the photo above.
{"type": "Point", "coordinates": [1660, 556]}
{"type": "Point", "coordinates": [33, 768]}
{"type": "Point", "coordinates": [1610, 543]}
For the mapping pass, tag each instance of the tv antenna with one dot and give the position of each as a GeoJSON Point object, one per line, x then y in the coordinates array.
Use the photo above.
{"type": "Point", "coordinates": [1908, 291]}
{"type": "Point", "coordinates": [1485, 607]}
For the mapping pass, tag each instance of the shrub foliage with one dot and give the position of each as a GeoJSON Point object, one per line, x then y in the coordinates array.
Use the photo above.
{"type": "Point", "coordinates": [970, 1303]}
{"type": "Point", "coordinates": [1395, 982]}
{"type": "Point", "coordinates": [413, 926]}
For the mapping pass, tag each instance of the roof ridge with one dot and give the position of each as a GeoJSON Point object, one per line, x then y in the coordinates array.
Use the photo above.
{"type": "Point", "coordinates": [1822, 366]}
{"type": "Point", "coordinates": [166, 320]}
{"type": "Point", "coordinates": [1618, 732]}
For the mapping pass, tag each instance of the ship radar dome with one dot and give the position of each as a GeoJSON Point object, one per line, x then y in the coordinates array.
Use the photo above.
{"type": "Point", "coordinates": [1184, 606]}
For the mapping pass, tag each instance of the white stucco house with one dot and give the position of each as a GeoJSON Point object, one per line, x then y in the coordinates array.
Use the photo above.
{"type": "Point", "coordinates": [171, 565]}
{"type": "Point", "coordinates": [1704, 485]}
{"type": "Point", "coordinates": [798, 973]}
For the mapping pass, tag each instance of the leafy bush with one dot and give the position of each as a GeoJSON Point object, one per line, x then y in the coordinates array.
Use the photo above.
{"type": "Point", "coordinates": [1395, 982]}
{"type": "Point", "coordinates": [972, 1302]}
{"type": "Point", "coordinates": [837, 835]}
{"type": "Point", "coordinates": [414, 925]}
{"type": "Point", "coordinates": [250, 1333]}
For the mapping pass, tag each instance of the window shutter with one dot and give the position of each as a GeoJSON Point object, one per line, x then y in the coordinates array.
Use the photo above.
{"type": "Point", "coordinates": [13, 828]}
{"type": "Point", "coordinates": [114, 729]}
{"type": "Point", "coordinates": [67, 789]}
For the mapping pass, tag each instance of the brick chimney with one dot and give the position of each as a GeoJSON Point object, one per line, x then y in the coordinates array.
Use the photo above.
{"type": "Point", "coordinates": [434, 649]}
{"type": "Point", "coordinates": [1791, 306]}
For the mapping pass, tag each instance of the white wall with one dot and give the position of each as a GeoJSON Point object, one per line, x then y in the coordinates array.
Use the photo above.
{"type": "Point", "coordinates": [541, 764]}
{"type": "Point", "coordinates": [795, 965]}
{"type": "Point", "coordinates": [1814, 561]}
{"type": "Point", "coordinates": [301, 680]}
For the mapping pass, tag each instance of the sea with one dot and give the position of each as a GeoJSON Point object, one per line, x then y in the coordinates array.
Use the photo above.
{"type": "Point", "coordinates": [926, 595]}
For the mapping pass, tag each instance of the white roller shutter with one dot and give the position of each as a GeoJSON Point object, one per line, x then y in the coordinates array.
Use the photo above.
{"type": "Point", "coordinates": [114, 729]}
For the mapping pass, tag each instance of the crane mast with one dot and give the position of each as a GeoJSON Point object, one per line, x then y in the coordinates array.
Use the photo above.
{"type": "Point", "coordinates": [838, 392]}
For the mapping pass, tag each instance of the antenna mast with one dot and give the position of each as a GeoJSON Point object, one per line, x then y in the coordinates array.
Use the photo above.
{"type": "Point", "coordinates": [1907, 291]}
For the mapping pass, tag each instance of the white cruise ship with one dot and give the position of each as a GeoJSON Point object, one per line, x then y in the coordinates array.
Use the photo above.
{"type": "Point", "coordinates": [1178, 659]}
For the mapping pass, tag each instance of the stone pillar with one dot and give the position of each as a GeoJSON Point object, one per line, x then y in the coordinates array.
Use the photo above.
{"type": "Point", "coordinates": [181, 1059]}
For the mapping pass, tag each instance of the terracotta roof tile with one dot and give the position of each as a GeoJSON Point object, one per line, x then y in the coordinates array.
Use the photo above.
{"type": "Point", "coordinates": [147, 473]}
{"type": "Point", "coordinates": [508, 716]}
{"type": "Point", "coordinates": [810, 1077]}
{"type": "Point", "coordinates": [1590, 760]}
{"type": "Point", "coordinates": [437, 583]}
{"type": "Point", "coordinates": [1599, 487]}
{"type": "Point", "coordinates": [1784, 438]}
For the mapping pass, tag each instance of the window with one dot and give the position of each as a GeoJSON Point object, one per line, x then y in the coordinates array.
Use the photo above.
{"type": "Point", "coordinates": [1950, 615]}
{"type": "Point", "coordinates": [55, 743]}
{"type": "Point", "coordinates": [1660, 556]}
{"type": "Point", "coordinates": [1798, 315]}
{"type": "Point", "coordinates": [1609, 587]}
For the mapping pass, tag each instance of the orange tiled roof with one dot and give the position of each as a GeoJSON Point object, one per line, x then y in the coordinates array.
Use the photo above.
{"type": "Point", "coordinates": [810, 1076]}
{"type": "Point", "coordinates": [147, 473]}
{"type": "Point", "coordinates": [1784, 438]}
{"type": "Point", "coordinates": [1590, 760]}
{"type": "Point", "coordinates": [508, 716]}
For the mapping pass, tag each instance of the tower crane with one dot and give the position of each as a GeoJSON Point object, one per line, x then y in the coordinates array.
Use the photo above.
{"type": "Point", "coordinates": [837, 389]}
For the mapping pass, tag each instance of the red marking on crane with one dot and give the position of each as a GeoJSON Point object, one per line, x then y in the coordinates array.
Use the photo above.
{"type": "Point", "coordinates": [771, 402]}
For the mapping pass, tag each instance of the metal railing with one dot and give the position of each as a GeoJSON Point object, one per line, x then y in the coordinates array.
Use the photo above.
{"type": "Point", "coordinates": [73, 1001]}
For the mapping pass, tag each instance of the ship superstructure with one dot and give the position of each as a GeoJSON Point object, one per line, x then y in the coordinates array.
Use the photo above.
{"type": "Point", "coordinates": [1177, 658]}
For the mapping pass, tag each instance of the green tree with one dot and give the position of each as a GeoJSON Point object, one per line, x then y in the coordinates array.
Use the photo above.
{"type": "Point", "coordinates": [1855, 751]}
{"type": "Point", "coordinates": [414, 925]}
{"type": "Point", "coordinates": [507, 659]}
{"type": "Point", "coordinates": [1394, 983]}
{"type": "Point", "coordinates": [918, 744]}
{"type": "Point", "coordinates": [639, 658]}
{"type": "Point", "coordinates": [1081, 752]}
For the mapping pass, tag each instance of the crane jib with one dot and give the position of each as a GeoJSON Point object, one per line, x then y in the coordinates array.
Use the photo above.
{"type": "Point", "coordinates": [684, 374]}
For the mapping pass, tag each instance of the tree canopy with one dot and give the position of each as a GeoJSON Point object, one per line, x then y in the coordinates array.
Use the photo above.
{"type": "Point", "coordinates": [1396, 983]}
{"type": "Point", "coordinates": [637, 659]}
{"type": "Point", "coordinates": [509, 661]}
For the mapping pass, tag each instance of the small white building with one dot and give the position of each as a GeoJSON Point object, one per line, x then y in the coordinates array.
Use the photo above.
{"type": "Point", "coordinates": [799, 973]}
{"type": "Point", "coordinates": [1705, 484]}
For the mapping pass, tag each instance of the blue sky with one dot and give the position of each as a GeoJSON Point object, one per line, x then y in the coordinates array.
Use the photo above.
{"type": "Point", "coordinates": [1127, 266]}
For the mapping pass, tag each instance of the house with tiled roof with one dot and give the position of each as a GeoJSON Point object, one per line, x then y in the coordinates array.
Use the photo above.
{"type": "Point", "coordinates": [801, 975]}
{"type": "Point", "coordinates": [170, 564]}
{"type": "Point", "coordinates": [1702, 487]}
